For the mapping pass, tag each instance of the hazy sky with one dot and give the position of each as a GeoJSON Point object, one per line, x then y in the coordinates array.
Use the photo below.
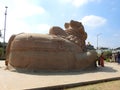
{"type": "Point", "coordinates": [37, 16]}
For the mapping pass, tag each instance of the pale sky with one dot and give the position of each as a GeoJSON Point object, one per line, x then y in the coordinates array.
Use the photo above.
{"type": "Point", "coordinates": [37, 16]}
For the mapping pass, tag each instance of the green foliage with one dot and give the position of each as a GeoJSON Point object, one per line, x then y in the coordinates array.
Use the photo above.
{"type": "Point", "coordinates": [107, 60]}
{"type": "Point", "coordinates": [107, 54]}
{"type": "Point", "coordinates": [1, 44]}
{"type": "Point", "coordinates": [1, 51]}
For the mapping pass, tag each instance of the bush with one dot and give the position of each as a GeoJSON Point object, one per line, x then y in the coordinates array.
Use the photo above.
{"type": "Point", "coordinates": [107, 54]}
{"type": "Point", "coordinates": [1, 52]}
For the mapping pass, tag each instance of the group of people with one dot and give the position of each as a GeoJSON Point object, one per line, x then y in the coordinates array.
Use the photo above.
{"type": "Point", "coordinates": [115, 58]}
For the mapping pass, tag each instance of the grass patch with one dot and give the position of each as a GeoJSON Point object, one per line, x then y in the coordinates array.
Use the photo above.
{"type": "Point", "coordinates": [112, 85]}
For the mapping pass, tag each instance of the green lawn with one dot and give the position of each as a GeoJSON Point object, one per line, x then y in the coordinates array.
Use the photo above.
{"type": "Point", "coordinates": [112, 85]}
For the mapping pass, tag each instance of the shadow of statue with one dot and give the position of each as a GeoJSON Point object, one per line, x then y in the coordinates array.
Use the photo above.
{"type": "Point", "coordinates": [107, 69]}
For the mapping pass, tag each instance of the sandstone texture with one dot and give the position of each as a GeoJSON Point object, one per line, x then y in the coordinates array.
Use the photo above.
{"type": "Point", "coordinates": [60, 50]}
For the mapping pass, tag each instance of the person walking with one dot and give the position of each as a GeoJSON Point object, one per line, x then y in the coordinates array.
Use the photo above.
{"type": "Point", "coordinates": [102, 60]}
{"type": "Point", "coordinates": [113, 58]}
{"type": "Point", "coordinates": [118, 57]}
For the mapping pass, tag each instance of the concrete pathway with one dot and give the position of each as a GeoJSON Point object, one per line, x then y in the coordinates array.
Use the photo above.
{"type": "Point", "coordinates": [12, 80]}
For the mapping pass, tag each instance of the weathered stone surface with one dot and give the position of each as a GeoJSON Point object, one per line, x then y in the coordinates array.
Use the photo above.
{"type": "Point", "coordinates": [76, 33]}
{"type": "Point", "coordinates": [60, 50]}
{"type": "Point", "coordinates": [57, 31]}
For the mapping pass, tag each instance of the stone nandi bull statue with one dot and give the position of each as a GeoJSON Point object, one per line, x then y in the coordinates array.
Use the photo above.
{"type": "Point", "coordinates": [61, 50]}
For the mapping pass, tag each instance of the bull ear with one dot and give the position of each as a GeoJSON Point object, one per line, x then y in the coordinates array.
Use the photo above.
{"type": "Point", "coordinates": [66, 25]}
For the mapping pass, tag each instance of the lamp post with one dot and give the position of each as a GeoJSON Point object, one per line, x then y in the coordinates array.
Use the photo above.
{"type": "Point", "coordinates": [97, 39]}
{"type": "Point", "coordinates": [4, 30]}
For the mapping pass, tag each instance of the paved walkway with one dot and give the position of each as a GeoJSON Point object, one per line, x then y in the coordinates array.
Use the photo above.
{"type": "Point", "coordinates": [31, 80]}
